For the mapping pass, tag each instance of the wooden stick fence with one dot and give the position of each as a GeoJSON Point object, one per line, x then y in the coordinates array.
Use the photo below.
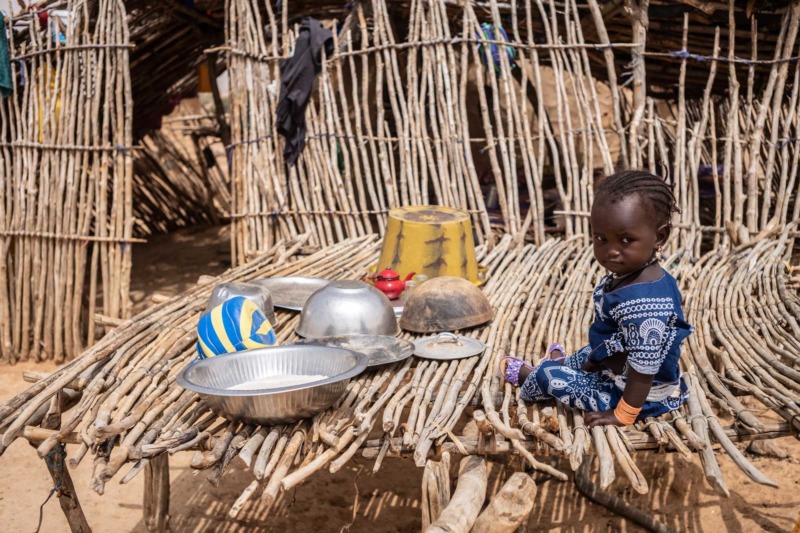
{"type": "Point", "coordinates": [67, 223]}
{"type": "Point", "coordinates": [432, 119]}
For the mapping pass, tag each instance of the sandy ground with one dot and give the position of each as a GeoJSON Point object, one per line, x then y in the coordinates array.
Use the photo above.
{"type": "Point", "coordinates": [356, 499]}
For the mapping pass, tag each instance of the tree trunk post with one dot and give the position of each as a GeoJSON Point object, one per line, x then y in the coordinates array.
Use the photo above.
{"type": "Point", "coordinates": [156, 493]}
{"type": "Point", "coordinates": [65, 490]}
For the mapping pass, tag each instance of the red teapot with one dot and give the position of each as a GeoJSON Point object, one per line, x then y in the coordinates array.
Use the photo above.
{"type": "Point", "coordinates": [389, 283]}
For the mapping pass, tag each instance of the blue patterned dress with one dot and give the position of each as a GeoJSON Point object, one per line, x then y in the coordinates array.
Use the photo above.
{"type": "Point", "coordinates": [643, 320]}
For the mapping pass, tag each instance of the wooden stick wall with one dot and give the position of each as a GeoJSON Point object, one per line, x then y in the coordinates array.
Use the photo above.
{"type": "Point", "coordinates": [66, 219]}
{"type": "Point", "coordinates": [415, 111]}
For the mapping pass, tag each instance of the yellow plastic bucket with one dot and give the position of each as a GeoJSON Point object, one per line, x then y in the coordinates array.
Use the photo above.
{"type": "Point", "coordinates": [431, 240]}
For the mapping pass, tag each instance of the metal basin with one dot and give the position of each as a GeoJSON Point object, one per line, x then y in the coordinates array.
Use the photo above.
{"type": "Point", "coordinates": [212, 379]}
{"type": "Point", "coordinates": [347, 308]}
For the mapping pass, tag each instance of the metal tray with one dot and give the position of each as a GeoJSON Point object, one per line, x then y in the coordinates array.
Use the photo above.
{"type": "Point", "coordinates": [291, 292]}
{"type": "Point", "coordinates": [379, 349]}
{"type": "Point", "coordinates": [447, 346]}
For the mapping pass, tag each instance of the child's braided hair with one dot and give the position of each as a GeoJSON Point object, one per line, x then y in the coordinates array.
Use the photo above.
{"type": "Point", "coordinates": [650, 188]}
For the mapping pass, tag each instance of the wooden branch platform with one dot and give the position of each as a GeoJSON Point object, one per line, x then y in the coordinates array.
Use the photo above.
{"type": "Point", "coordinates": [127, 406]}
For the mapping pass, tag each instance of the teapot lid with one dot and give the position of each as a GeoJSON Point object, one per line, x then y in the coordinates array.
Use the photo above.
{"type": "Point", "coordinates": [388, 274]}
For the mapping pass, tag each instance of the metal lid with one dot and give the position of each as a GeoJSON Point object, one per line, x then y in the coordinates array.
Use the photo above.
{"type": "Point", "coordinates": [447, 346]}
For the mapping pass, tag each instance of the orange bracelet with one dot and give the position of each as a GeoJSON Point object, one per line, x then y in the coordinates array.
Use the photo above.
{"type": "Point", "coordinates": [625, 413]}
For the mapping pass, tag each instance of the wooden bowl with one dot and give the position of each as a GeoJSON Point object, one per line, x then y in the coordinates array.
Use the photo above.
{"type": "Point", "coordinates": [445, 304]}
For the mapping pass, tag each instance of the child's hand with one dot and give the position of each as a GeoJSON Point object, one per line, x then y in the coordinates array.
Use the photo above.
{"type": "Point", "coordinates": [602, 418]}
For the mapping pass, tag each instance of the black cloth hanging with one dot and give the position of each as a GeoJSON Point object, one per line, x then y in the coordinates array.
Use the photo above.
{"type": "Point", "coordinates": [297, 80]}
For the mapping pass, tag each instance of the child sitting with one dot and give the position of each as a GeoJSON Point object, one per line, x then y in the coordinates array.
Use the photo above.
{"type": "Point", "coordinates": [629, 370]}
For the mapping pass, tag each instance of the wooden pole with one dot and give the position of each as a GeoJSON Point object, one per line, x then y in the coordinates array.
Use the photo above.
{"type": "Point", "coordinates": [510, 507]}
{"type": "Point", "coordinates": [637, 14]}
{"type": "Point", "coordinates": [435, 489]}
{"type": "Point", "coordinates": [156, 494]}
{"type": "Point", "coordinates": [596, 494]}
{"type": "Point", "coordinates": [65, 490]}
{"type": "Point", "coordinates": [462, 511]}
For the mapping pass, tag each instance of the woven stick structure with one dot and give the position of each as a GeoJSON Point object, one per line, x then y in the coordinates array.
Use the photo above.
{"type": "Point", "coordinates": [66, 225]}
{"type": "Point", "coordinates": [411, 108]}
{"type": "Point", "coordinates": [131, 409]}
{"type": "Point", "coordinates": [71, 168]}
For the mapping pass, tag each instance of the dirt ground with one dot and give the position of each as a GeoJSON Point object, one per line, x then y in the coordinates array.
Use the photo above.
{"type": "Point", "coordinates": [356, 499]}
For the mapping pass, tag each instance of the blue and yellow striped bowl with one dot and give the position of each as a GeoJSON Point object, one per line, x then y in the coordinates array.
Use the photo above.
{"type": "Point", "coordinates": [233, 326]}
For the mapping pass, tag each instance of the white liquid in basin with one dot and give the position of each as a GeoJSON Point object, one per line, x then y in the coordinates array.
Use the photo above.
{"type": "Point", "coordinates": [276, 382]}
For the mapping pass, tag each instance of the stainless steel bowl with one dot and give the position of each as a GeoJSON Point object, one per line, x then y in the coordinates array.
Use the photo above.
{"type": "Point", "coordinates": [347, 308]}
{"type": "Point", "coordinates": [212, 378]}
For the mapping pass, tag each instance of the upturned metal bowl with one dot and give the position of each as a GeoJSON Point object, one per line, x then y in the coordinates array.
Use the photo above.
{"type": "Point", "coordinates": [347, 308]}
{"type": "Point", "coordinates": [212, 379]}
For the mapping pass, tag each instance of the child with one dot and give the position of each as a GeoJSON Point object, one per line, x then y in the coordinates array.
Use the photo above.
{"type": "Point", "coordinates": [629, 370]}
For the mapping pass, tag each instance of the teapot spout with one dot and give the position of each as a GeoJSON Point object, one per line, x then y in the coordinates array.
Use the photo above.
{"type": "Point", "coordinates": [408, 278]}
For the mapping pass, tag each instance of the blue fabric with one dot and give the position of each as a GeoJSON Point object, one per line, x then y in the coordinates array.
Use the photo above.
{"type": "Point", "coordinates": [234, 325]}
{"type": "Point", "coordinates": [488, 32]}
{"type": "Point", "coordinates": [589, 391]}
{"type": "Point", "coordinates": [645, 320]}
{"type": "Point", "coordinates": [642, 320]}
{"type": "Point", "coordinates": [6, 83]}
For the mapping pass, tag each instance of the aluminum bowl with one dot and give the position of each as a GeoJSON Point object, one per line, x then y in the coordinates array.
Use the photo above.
{"type": "Point", "coordinates": [211, 379]}
{"type": "Point", "coordinates": [347, 308]}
